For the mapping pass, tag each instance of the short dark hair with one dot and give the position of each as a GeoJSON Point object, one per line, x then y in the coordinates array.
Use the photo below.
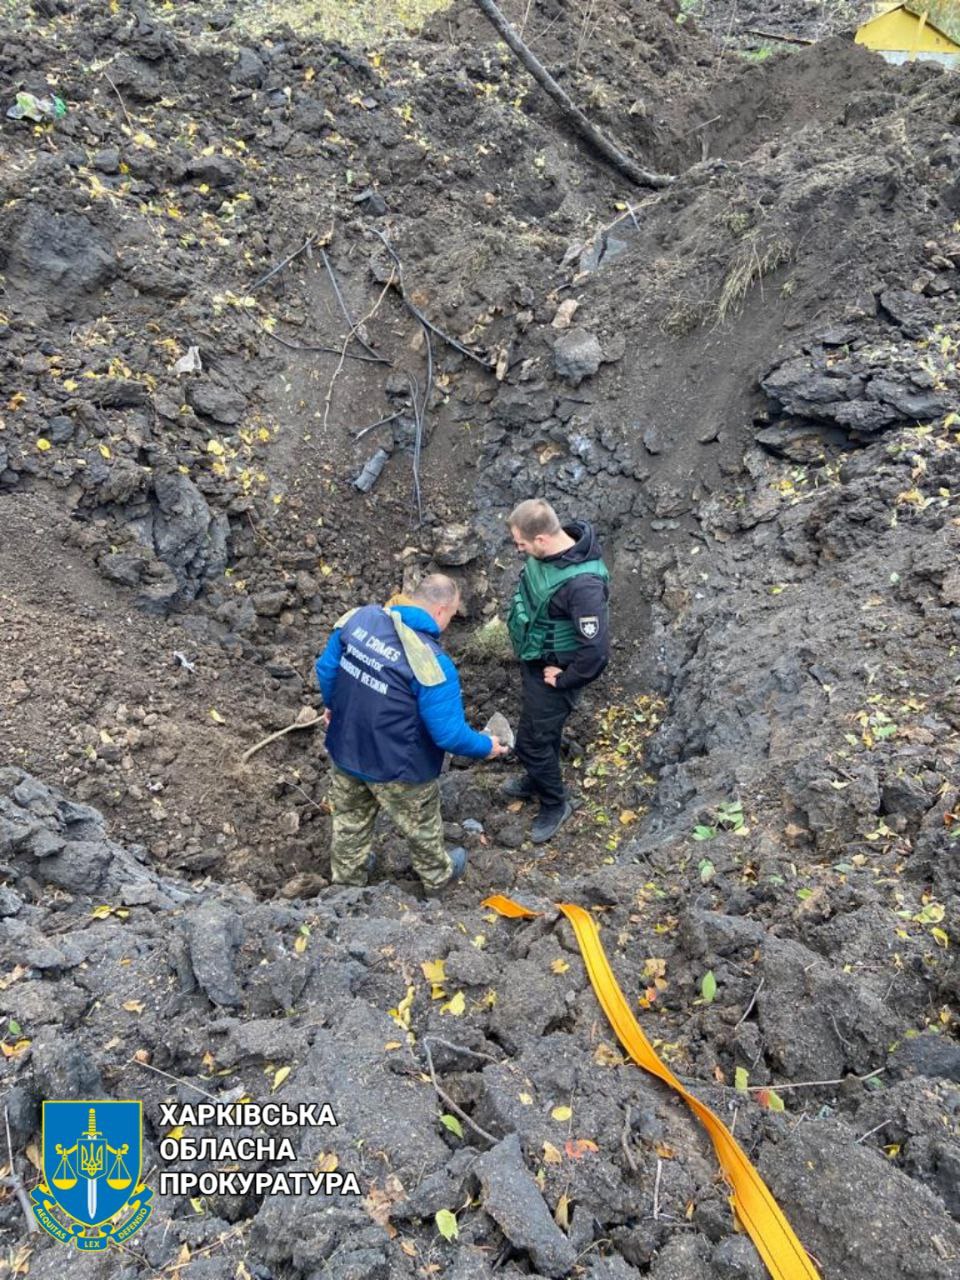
{"type": "Point", "coordinates": [437, 588]}
{"type": "Point", "coordinates": [533, 517]}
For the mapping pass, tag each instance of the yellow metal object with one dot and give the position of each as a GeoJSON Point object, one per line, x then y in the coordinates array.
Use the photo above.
{"type": "Point", "coordinates": [915, 30]}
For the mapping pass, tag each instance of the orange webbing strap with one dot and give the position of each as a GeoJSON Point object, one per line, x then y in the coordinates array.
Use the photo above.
{"type": "Point", "coordinates": [752, 1202]}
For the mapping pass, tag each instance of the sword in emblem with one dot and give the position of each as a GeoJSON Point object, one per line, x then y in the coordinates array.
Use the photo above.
{"type": "Point", "coordinates": [91, 1153]}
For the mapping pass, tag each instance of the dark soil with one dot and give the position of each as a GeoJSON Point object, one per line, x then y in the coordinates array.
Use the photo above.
{"type": "Point", "coordinates": [749, 381]}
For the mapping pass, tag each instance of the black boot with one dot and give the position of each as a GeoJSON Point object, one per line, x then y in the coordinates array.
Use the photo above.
{"type": "Point", "coordinates": [520, 788]}
{"type": "Point", "coordinates": [549, 821]}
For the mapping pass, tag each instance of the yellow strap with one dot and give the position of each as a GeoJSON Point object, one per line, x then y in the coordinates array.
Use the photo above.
{"type": "Point", "coordinates": [752, 1201]}
{"type": "Point", "coordinates": [423, 661]}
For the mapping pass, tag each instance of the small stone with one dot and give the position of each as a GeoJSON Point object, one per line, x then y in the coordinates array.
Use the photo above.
{"type": "Point", "coordinates": [577, 355]}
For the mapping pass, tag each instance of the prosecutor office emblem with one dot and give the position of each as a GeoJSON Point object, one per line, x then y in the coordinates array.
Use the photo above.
{"type": "Point", "coordinates": [92, 1157]}
{"type": "Point", "coordinates": [589, 627]}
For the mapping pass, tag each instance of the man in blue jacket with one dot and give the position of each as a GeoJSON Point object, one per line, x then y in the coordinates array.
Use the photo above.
{"type": "Point", "coordinates": [393, 709]}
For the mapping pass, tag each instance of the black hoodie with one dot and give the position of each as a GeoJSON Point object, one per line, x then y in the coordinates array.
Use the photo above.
{"type": "Point", "coordinates": [582, 599]}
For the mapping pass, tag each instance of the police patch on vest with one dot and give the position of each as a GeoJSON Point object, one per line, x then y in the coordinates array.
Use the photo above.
{"type": "Point", "coordinates": [589, 627]}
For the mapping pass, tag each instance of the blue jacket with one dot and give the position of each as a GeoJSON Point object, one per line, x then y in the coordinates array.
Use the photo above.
{"type": "Point", "coordinates": [385, 725]}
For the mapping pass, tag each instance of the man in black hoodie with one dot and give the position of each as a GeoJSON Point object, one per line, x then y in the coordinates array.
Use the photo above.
{"type": "Point", "coordinates": [560, 632]}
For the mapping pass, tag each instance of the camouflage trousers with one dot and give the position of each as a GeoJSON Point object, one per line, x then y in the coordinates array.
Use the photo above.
{"type": "Point", "coordinates": [414, 808]}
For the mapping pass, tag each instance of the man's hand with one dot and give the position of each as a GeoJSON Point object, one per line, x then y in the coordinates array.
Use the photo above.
{"type": "Point", "coordinates": [499, 748]}
{"type": "Point", "coordinates": [326, 718]}
{"type": "Point", "coordinates": [550, 675]}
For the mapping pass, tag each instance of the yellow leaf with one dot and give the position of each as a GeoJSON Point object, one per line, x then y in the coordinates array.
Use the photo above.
{"type": "Point", "coordinates": [561, 1113]}
{"type": "Point", "coordinates": [433, 972]}
{"type": "Point", "coordinates": [308, 76]}
{"type": "Point", "coordinates": [300, 944]}
{"type": "Point", "coordinates": [133, 1006]}
{"type": "Point", "coordinates": [101, 913]}
{"type": "Point", "coordinates": [604, 1056]}
{"type": "Point", "coordinates": [551, 1155]}
{"type": "Point", "coordinates": [393, 1044]}
{"type": "Point", "coordinates": [69, 384]}
{"type": "Point", "coordinates": [627, 816]}
{"type": "Point", "coordinates": [455, 1005]}
{"type": "Point", "coordinates": [526, 1099]}
{"type": "Point", "coordinates": [43, 445]}
{"type": "Point", "coordinates": [263, 434]}
{"type": "Point", "coordinates": [105, 451]}
{"type": "Point", "coordinates": [941, 937]}
{"type": "Point", "coordinates": [559, 966]}
{"type": "Point", "coordinates": [446, 1224]}
{"type": "Point", "coordinates": [196, 1204]}
{"type": "Point", "coordinates": [216, 717]}
{"type": "Point", "coordinates": [479, 940]}
{"type": "Point", "coordinates": [177, 1133]}
{"type": "Point", "coordinates": [279, 1078]}
{"type": "Point", "coordinates": [326, 1162]}
{"type": "Point", "coordinates": [215, 447]}
{"type": "Point", "coordinates": [562, 1213]}
{"type": "Point", "coordinates": [401, 1014]}
{"type": "Point", "coordinates": [16, 400]}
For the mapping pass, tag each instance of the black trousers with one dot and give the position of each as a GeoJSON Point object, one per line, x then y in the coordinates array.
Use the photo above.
{"type": "Point", "coordinates": [543, 714]}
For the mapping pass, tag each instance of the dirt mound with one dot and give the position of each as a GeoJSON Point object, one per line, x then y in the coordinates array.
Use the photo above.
{"type": "Point", "coordinates": [217, 269]}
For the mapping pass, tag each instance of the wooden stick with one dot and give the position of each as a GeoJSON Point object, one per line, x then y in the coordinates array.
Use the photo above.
{"type": "Point", "coordinates": [306, 720]}
{"type": "Point", "coordinates": [445, 1098]}
{"type": "Point", "coordinates": [573, 114]}
{"type": "Point", "coordinates": [14, 1181]}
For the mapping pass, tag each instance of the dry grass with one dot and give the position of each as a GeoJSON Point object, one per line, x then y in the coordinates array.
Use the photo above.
{"type": "Point", "coordinates": [754, 260]}
{"type": "Point", "coordinates": [489, 642]}
{"type": "Point", "coordinates": [358, 22]}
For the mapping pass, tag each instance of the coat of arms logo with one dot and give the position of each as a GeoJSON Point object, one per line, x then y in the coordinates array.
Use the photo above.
{"type": "Point", "coordinates": [92, 1156]}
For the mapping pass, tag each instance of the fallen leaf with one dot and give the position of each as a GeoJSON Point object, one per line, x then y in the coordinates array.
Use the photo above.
{"type": "Point", "coordinates": [326, 1162]}
{"type": "Point", "coordinates": [43, 445]}
{"type": "Point", "coordinates": [379, 1202]}
{"type": "Point", "coordinates": [393, 1044]}
{"type": "Point", "coordinates": [279, 1078]}
{"type": "Point", "coordinates": [559, 966]}
{"type": "Point", "coordinates": [433, 971]}
{"type": "Point", "coordinates": [453, 1124]}
{"type": "Point", "coordinates": [772, 1101]}
{"type": "Point", "coordinates": [562, 1213]}
{"type": "Point", "coordinates": [455, 1005]}
{"type": "Point", "coordinates": [526, 1099]}
{"type": "Point", "coordinates": [446, 1224]}
{"type": "Point", "coordinates": [216, 717]}
{"type": "Point", "coordinates": [604, 1056]}
{"type": "Point", "coordinates": [741, 1078]}
{"type": "Point", "coordinates": [134, 1006]}
{"type": "Point", "coordinates": [551, 1154]}
{"type": "Point", "coordinates": [708, 987]}
{"type": "Point", "coordinates": [577, 1148]}
{"type": "Point", "coordinates": [401, 1014]}
{"type": "Point", "coordinates": [561, 1113]}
